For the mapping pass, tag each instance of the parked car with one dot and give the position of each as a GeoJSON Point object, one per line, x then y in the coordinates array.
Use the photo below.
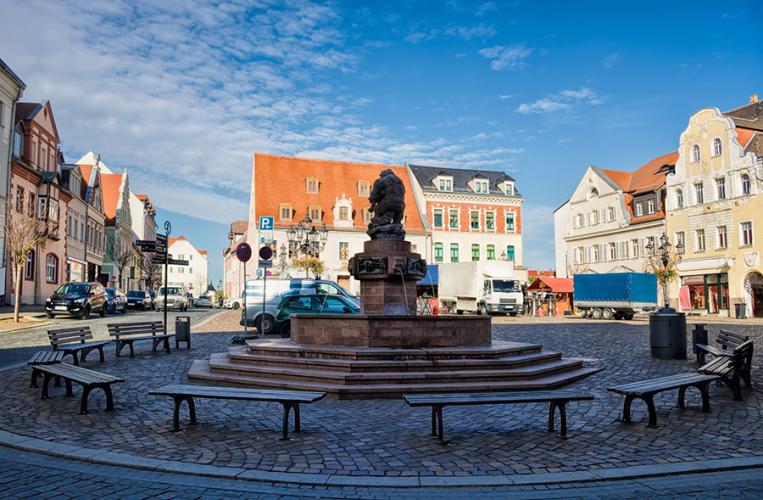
{"type": "Point", "coordinates": [153, 299]}
{"type": "Point", "coordinates": [116, 300]}
{"type": "Point", "coordinates": [77, 299]}
{"type": "Point", "coordinates": [310, 303]}
{"type": "Point", "coordinates": [203, 301]}
{"type": "Point", "coordinates": [139, 299]}
{"type": "Point", "coordinates": [176, 298]}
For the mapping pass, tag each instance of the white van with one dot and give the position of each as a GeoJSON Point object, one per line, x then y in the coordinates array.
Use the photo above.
{"type": "Point", "coordinates": [253, 296]}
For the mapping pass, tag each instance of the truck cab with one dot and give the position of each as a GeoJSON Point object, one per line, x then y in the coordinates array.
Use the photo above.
{"type": "Point", "coordinates": [501, 296]}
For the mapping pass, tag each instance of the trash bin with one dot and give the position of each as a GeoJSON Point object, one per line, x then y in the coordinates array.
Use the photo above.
{"type": "Point", "coordinates": [183, 331]}
{"type": "Point", "coordinates": [667, 335]}
{"type": "Point", "coordinates": [741, 311]}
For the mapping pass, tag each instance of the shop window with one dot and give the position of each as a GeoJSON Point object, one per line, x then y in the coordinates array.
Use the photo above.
{"type": "Point", "coordinates": [438, 252]}
{"type": "Point", "coordinates": [454, 252]}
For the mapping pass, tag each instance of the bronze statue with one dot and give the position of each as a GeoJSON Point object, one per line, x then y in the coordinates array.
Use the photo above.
{"type": "Point", "coordinates": [388, 206]}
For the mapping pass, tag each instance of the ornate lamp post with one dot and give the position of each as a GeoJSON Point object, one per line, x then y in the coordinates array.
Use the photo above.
{"type": "Point", "coordinates": [666, 272]}
{"type": "Point", "coordinates": [306, 238]}
{"type": "Point", "coordinates": [667, 327]}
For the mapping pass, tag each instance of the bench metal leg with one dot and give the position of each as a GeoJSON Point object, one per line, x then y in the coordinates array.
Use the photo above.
{"type": "Point", "coordinates": [100, 354]}
{"type": "Point", "coordinates": [45, 381]}
{"type": "Point", "coordinates": [681, 397]}
{"type": "Point", "coordinates": [69, 391]}
{"type": "Point", "coordinates": [176, 413]}
{"type": "Point", "coordinates": [35, 376]}
{"type": "Point", "coordinates": [297, 423]}
{"type": "Point", "coordinates": [167, 345]}
{"type": "Point", "coordinates": [83, 354]}
{"type": "Point", "coordinates": [132, 349]}
{"type": "Point", "coordinates": [285, 425]}
{"type": "Point", "coordinates": [109, 397]}
{"type": "Point", "coordinates": [649, 400]}
{"type": "Point", "coordinates": [83, 402]}
{"type": "Point", "coordinates": [562, 406]}
{"type": "Point", "coordinates": [191, 409]}
{"type": "Point", "coordinates": [118, 350]}
{"type": "Point", "coordinates": [434, 422]}
{"type": "Point", "coordinates": [627, 409]}
{"type": "Point", "coordinates": [704, 389]}
{"type": "Point", "coordinates": [440, 431]}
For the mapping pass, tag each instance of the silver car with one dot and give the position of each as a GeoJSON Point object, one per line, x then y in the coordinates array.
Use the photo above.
{"type": "Point", "coordinates": [176, 298]}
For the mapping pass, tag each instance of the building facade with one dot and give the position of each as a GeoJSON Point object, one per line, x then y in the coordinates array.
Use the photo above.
{"type": "Point", "coordinates": [715, 207]}
{"type": "Point", "coordinates": [470, 215]}
{"type": "Point", "coordinates": [233, 277]}
{"type": "Point", "coordinates": [36, 192]}
{"type": "Point", "coordinates": [194, 276]}
{"type": "Point", "coordinates": [612, 219]}
{"type": "Point", "coordinates": [119, 252]}
{"type": "Point", "coordinates": [11, 89]}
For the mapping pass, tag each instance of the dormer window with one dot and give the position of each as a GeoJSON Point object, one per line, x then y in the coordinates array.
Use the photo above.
{"type": "Point", "coordinates": [481, 186]}
{"type": "Point", "coordinates": [314, 212]}
{"type": "Point", "coordinates": [284, 211]}
{"type": "Point", "coordinates": [509, 188]}
{"type": "Point", "coordinates": [363, 188]}
{"type": "Point", "coordinates": [312, 185]}
{"type": "Point", "coordinates": [344, 213]}
{"type": "Point", "coordinates": [445, 184]}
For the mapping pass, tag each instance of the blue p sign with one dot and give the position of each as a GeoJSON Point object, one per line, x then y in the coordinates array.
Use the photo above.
{"type": "Point", "coordinates": [266, 223]}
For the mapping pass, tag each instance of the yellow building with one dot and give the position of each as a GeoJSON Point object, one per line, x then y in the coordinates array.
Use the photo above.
{"type": "Point", "coordinates": [715, 208]}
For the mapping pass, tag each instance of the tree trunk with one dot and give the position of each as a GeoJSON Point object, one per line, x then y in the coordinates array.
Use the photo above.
{"type": "Point", "coordinates": [17, 298]}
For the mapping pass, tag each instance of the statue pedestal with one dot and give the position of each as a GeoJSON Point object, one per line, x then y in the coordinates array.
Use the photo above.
{"type": "Point", "coordinates": [388, 272]}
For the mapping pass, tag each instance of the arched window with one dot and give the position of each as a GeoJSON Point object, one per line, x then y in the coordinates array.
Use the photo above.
{"type": "Point", "coordinates": [593, 193]}
{"type": "Point", "coordinates": [51, 268]}
{"type": "Point", "coordinates": [679, 198]}
{"type": "Point", "coordinates": [717, 148]}
{"type": "Point", "coordinates": [695, 153]}
{"type": "Point", "coordinates": [745, 184]}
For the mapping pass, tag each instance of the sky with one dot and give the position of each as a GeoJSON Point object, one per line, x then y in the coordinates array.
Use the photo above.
{"type": "Point", "coordinates": [182, 93]}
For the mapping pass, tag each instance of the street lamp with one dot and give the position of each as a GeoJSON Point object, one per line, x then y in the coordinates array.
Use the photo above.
{"type": "Point", "coordinates": [306, 238]}
{"type": "Point", "coordinates": [663, 273]}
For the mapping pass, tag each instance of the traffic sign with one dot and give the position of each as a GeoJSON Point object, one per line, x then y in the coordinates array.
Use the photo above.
{"type": "Point", "coordinates": [265, 263]}
{"type": "Point", "coordinates": [146, 245]}
{"type": "Point", "coordinates": [161, 243]}
{"type": "Point", "coordinates": [244, 251]}
{"type": "Point", "coordinates": [267, 223]}
{"type": "Point", "coordinates": [177, 262]}
{"type": "Point", "coordinates": [266, 253]}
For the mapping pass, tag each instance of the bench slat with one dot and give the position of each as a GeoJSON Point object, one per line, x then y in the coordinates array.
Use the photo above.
{"type": "Point", "coordinates": [662, 383]}
{"type": "Point", "coordinates": [214, 392]}
{"type": "Point", "coordinates": [478, 398]}
{"type": "Point", "coordinates": [78, 374]}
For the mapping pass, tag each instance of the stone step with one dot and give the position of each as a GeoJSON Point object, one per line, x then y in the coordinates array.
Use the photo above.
{"type": "Point", "coordinates": [200, 371]}
{"type": "Point", "coordinates": [241, 355]}
{"type": "Point", "coordinates": [285, 347]}
{"type": "Point", "coordinates": [221, 362]}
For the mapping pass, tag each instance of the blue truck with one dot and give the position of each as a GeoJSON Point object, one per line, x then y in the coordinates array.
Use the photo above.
{"type": "Point", "coordinates": [614, 295]}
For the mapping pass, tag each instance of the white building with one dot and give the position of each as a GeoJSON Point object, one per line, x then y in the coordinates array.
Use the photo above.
{"type": "Point", "coordinates": [561, 219]}
{"type": "Point", "coordinates": [194, 276]}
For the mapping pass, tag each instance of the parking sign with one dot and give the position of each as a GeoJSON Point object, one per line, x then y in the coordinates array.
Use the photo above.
{"type": "Point", "coordinates": [266, 223]}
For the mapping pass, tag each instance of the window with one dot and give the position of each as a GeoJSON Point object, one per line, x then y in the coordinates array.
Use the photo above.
{"type": "Point", "coordinates": [580, 221]}
{"type": "Point", "coordinates": [29, 266]}
{"type": "Point", "coordinates": [578, 257]}
{"type": "Point", "coordinates": [344, 250]}
{"type": "Point", "coordinates": [680, 239]}
{"type": "Point", "coordinates": [722, 241]}
{"type": "Point", "coordinates": [717, 148]}
{"type": "Point", "coordinates": [700, 234]}
{"type": "Point", "coordinates": [475, 252]}
{"type": "Point", "coordinates": [314, 212]}
{"type": "Point", "coordinates": [491, 252]}
{"type": "Point", "coordinates": [624, 250]}
{"type": "Point", "coordinates": [437, 216]}
{"type": "Point", "coordinates": [51, 268]}
{"type": "Point", "coordinates": [474, 219]}
{"type": "Point", "coordinates": [362, 188]}
{"type": "Point", "coordinates": [745, 184]}
{"type": "Point", "coordinates": [698, 194]}
{"type": "Point", "coordinates": [509, 189]}
{"type": "Point", "coordinates": [612, 251]}
{"type": "Point", "coordinates": [639, 209]}
{"type": "Point", "coordinates": [344, 213]}
{"type": "Point", "coordinates": [745, 232]}
{"type": "Point", "coordinates": [695, 153]}
{"type": "Point", "coordinates": [481, 187]}
{"type": "Point", "coordinates": [312, 185]}
{"type": "Point", "coordinates": [284, 211]}
{"type": "Point", "coordinates": [19, 199]}
{"type": "Point", "coordinates": [720, 184]}
{"type": "Point", "coordinates": [366, 214]}
{"type": "Point", "coordinates": [650, 246]}
{"type": "Point", "coordinates": [490, 221]}
{"type": "Point", "coordinates": [650, 208]}
{"type": "Point", "coordinates": [453, 216]}
{"type": "Point", "coordinates": [610, 214]}
{"type": "Point", "coordinates": [510, 219]}
{"type": "Point", "coordinates": [43, 156]}
{"type": "Point", "coordinates": [18, 142]}
{"type": "Point", "coordinates": [454, 252]}
{"type": "Point", "coordinates": [438, 252]}
{"type": "Point", "coordinates": [510, 253]}
{"type": "Point", "coordinates": [445, 184]}
{"type": "Point", "coordinates": [679, 198]}
{"type": "Point", "coordinates": [596, 253]}
{"type": "Point", "coordinates": [635, 248]}
{"type": "Point", "coordinates": [42, 204]}
{"type": "Point", "coordinates": [595, 217]}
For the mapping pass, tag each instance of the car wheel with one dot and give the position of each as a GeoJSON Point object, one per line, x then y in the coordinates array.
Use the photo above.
{"type": "Point", "coordinates": [264, 327]}
{"type": "Point", "coordinates": [102, 312]}
{"type": "Point", "coordinates": [85, 313]}
{"type": "Point", "coordinates": [286, 330]}
{"type": "Point", "coordinates": [235, 305]}
{"type": "Point", "coordinates": [51, 315]}
{"type": "Point", "coordinates": [628, 316]}
{"type": "Point", "coordinates": [513, 315]}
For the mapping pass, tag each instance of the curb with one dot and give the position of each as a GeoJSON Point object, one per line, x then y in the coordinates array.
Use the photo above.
{"type": "Point", "coordinates": [35, 445]}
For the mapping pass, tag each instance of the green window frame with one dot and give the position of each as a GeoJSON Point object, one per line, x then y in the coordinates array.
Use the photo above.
{"type": "Point", "coordinates": [490, 221]}
{"type": "Point", "coordinates": [510, 221]}
{"type": "Point", "coordinates": [454, 252]}
{"type": "Point", "coordinates": [438, 252]}
{"type": "Point", "coordinates": [491, 252]}
{"type": "Point", "coordinates": [475, 251]}
{"type": "Point", "coordinates": [510, 252]}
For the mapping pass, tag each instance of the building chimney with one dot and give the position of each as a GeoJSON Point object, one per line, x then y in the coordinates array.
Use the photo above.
{"type": "Point", "coordinates": [753, 98]}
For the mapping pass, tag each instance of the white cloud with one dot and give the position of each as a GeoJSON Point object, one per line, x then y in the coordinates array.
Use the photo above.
{"type": "Point", "coordinates": [503, 97]}
{"type": "Point", "coordinates": [611, 60]}
{"type": "Point", "coordinates": [561, 101]}
{"type": "Point", "coordinates": [485, 8]}
{"type": "Point", "coordinates": [511, 57]}
{"type": "Point", "coordinates": [477, 31]}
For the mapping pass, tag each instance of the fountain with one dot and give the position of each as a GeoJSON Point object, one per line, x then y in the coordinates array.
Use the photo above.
{"type": "Point", "coordinates": [388, 350]}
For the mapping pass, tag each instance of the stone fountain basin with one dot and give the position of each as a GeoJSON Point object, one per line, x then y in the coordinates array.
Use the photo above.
{"type": "Point", "coordinates": [380, 330]}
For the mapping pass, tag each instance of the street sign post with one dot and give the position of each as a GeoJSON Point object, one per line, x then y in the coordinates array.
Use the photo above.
{"type": "Point", "coordinates": [265, 253]}
{"type": "Point", "coordinates": [244, 253]}
{"type": "Point", "coordinates": [177, 262]}
{"type": "Point", "coordinates": [267, 223]}
{"type": "Point", "coordinates": [146, 245]}
{"type": "Point", "coordinates": [161, 242]}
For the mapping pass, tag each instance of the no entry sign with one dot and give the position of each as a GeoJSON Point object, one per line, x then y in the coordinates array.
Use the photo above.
{"type": "Point", "coordinates": [244, 251]}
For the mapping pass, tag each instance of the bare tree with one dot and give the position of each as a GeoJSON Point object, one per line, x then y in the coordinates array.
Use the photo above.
{"type": "Point", "coordinates": [24, 234]}
{"type": "Point", "coordinates": [150, 269]}
{"type": "Point", "coordinates": [200, 285]}
{"type": "Point", "coordinates": [119, 256]}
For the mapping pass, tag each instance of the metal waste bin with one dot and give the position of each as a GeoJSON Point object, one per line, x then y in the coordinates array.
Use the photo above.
{"type": "Point", "coordinates": [667, 334]}
{"type": "Point", "coordinates": [183, 331]}
{"type": "Point", "coordinates": [741, 311]}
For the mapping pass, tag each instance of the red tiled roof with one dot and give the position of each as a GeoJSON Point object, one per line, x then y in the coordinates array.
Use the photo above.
{"type": "Point", "coordinates": [239, 226]}
{"type": "Point", "coordinates": [203, 252]}
{"type": "Point", "coordinates": [142, 197]}
{"type": "Point", "coordinates": [622, 179]}
{"type": "Point", "coordinates": [86, 171]}
{"type": "Point", "coordinates": [744, 135]}
{"type": "Point", "coordinates": [558, 285]}
{"type": "Point", "coordinates": [645, 177]}
{"type": "Point", "coordinates": [281, 179]}
{"type": "Point", "coordinates": [110, 184]}
{"type": "Point", "coordinates": [171, 241]}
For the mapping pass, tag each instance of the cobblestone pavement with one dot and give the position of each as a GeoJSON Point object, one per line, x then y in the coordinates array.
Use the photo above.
{"type": "Point", "coordinates": [387, 438]}
{"type": "Point", "coordinates": [27, 475]}
{"type": "Point", "coordinates": [18, 346]}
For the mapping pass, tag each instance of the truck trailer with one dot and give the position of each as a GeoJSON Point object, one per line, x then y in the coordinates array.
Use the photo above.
{"type": "Point", "coordinates": [614, 295]}
{"type": "Point", "coordinates": [483, 287]}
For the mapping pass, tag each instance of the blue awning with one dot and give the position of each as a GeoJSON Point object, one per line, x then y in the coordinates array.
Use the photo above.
{"type": "Point", "coordinates": [432, 277]}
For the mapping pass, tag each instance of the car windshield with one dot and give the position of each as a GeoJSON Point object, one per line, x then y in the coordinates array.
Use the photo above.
{"type": "Point", "coordinates": [137, 293]}
{"type": "Point", "coordinates": [171, 290]}
{"type": "Point", "coordinates": [506, 286]}
{"type": "Point", "coordinates": [73, 288]}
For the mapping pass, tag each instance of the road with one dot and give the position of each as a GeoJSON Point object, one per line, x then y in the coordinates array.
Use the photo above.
{"type": "Point", "coordinates": [18, 346]}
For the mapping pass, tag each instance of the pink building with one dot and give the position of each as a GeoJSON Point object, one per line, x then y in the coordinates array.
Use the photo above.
{"type": "Point", "coordinates": [233, 272]}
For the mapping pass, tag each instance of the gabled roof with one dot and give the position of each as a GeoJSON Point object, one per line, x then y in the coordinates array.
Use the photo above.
{"type": "Point", "coordinates": [748, 116]}
{"type": "Point", "coordinates": [203, 252]}
{"type": "Point", "coordinates": [26, 111]}
{"type": "Point", "coordinates": [111, 189]}
{"type": "Point", "coordinates": [239, 226]}
{"type": "Point", "coordinates": [558, 285]}
{"type": "Point", "coordinates": [172, 241]}
{"type": "Point", "coordinates": [645, 178]}
{"type": "Point", "coordinates": [13, 76]}
{"type": "Point", "coordinates": [461, 177]}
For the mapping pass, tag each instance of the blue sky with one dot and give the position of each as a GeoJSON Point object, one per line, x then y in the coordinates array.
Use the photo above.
{"type": "Point", "coordinates": [182, 93]}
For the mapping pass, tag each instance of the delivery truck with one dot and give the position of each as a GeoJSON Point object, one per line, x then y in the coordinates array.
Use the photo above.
{"type": "Point", "coordinates": [614, 295]}
{"type": "Point", "coordinates": [483, 287]}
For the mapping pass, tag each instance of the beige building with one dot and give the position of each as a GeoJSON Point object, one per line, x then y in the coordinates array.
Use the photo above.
{"type": "Point", "coordinates": [715, 207]}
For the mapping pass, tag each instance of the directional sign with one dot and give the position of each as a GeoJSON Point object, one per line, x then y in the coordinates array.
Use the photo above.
{"type": "Point", "coordinates": [161, 243]}
{"type": "Point", "coordinates": [267, 223]}
{"type": "Point", "coordinates": [177, 262]}
{"type": "Point", "coordinates": [146, 245]}
{"type": "Point", "coordinates": [244, 251]}
{"type": "Point", "coordinates": [265, 263]}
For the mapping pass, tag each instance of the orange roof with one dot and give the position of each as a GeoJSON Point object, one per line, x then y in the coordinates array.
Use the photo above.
{"type": "Point", "coordinates": [622, 179]}
{"type": "Point", "coordinates": [171, 241]}
{"type": "Point", "coordinates": [86, 171]}
{"type": "Point", "coordinates": [142, 197]}
{"type": "Point", "coordinates": [203, 252]}
{"type": "Point", "coordinates": [558, 285]}
{"type": "Point", "coordinates": [110, 185]}
{"type": "Point", "coordinates": [744, 135]}
{"type": "Point", "coordinates": [645, 177]}
{"type": "Point", "coordinates": [282, 179]}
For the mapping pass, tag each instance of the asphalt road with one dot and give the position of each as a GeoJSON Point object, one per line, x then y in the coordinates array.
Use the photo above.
{"type": "Point", "coordinates": [18, 346]}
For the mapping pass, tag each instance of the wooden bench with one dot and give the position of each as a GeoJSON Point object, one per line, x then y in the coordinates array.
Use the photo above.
{"type": "Point", "coordinates": [125, 334]}
{"type": "Point", "coordinates": [45, 358]}
{"type": "Point", "coordinates": [88, 379]}
{"type": "Point", "coordinates": [646, 389]}
{"type": "Point", "coordinates": [732, 369]}
{"type": "Point", "coordinates": [76, 340]}
{"type": "Point", "coordinates": [727, 341]}
{"type": "Point", "coordinates": [289, 399]}
{"type": "Point", "coordinates": [556, 399]}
